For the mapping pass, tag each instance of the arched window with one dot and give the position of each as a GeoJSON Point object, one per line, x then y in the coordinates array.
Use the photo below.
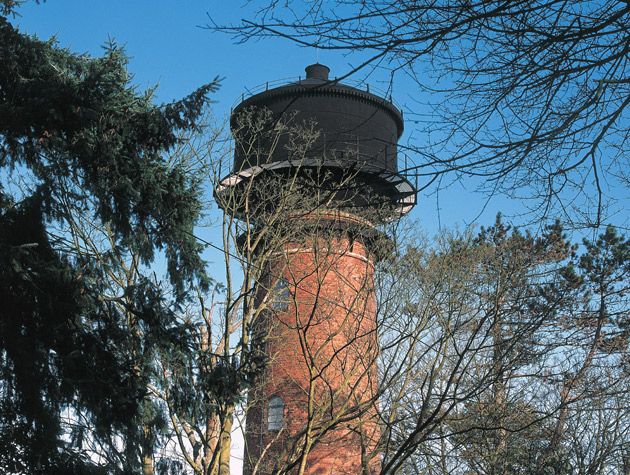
{"type": "Point", "coordinates": [275, 414]}
{"type": "Point", "coordinates": [280, 296]}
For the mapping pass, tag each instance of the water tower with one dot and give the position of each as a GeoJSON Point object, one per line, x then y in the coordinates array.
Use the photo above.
{"type": "Point", "coordinates": [318, 391]}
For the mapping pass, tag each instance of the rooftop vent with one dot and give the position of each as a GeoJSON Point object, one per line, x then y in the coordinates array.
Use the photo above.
{"type": "Point", "coordinates": [317, 71]}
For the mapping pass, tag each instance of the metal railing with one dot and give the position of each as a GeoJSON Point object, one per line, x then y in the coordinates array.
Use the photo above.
{"type": "Point", "coordinates": [362, 86]}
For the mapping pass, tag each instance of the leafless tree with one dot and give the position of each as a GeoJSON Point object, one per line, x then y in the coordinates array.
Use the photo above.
{"type": "Point", "coordinates": [527, 98]}
{"type": "Point", "coordinates": [482, 356]}
{"type": "Point", "coordinates": [264, 215]}
{"type": "Point", "coordinates": [544, 358]}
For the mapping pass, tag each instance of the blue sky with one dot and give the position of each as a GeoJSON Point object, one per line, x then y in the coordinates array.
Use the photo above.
{"type": "Point", "coordinates": [169, 47]}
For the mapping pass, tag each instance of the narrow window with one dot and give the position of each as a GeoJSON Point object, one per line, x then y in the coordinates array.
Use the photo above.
{"type": "Point", "coordinates": [280, 296]}
{"type": "Point", "coordinates": [275, 414]}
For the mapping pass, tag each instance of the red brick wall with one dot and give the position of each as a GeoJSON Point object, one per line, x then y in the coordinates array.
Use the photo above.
{"type": "Point", "coordinates": [322, 353]}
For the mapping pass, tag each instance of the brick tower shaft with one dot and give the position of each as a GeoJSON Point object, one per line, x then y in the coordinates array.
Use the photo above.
{"type": "Point", "coordinates": [314, 406]}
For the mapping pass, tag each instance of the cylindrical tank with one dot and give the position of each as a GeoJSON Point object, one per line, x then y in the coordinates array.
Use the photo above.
{"type": "Point", "coordinates": [357, 129]}
{"type": "Point", "coordinates": [353, 142]}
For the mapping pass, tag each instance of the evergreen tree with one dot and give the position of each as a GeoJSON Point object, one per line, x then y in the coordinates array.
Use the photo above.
{"type": "Point", "coordinates": [592, 378]}
{"type": "Point", "coordinates": [502, 430]}
{"type": "Point", "coordinates": [75, 134]}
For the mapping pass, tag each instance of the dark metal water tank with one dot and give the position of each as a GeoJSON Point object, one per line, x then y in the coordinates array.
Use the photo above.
{"type": "Point", "coordinates": [356, 130]}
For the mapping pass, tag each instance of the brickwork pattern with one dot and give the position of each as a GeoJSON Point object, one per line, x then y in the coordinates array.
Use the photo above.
{"type": "Point", "coordinates": [322, 362]}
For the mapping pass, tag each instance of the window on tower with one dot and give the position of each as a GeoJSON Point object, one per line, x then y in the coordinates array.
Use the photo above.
{"type": "Point", "coordinates": [275, 414]}
{"type": "Point", "coordinates": [280, 296]}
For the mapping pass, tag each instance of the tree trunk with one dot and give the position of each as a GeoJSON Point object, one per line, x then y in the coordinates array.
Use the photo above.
{"type": "Point", "coordinates": [147, 452]}
{"type": "Point", "coordinates": [226, 445]}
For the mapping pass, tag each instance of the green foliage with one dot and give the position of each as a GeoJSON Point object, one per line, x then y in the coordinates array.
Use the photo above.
{"type": "Point", "coordinates": [604, 269]}
{"type": "Point", "coordinates": [64, 116]}
{"type": "Point", "coordinates": [78, 136]}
